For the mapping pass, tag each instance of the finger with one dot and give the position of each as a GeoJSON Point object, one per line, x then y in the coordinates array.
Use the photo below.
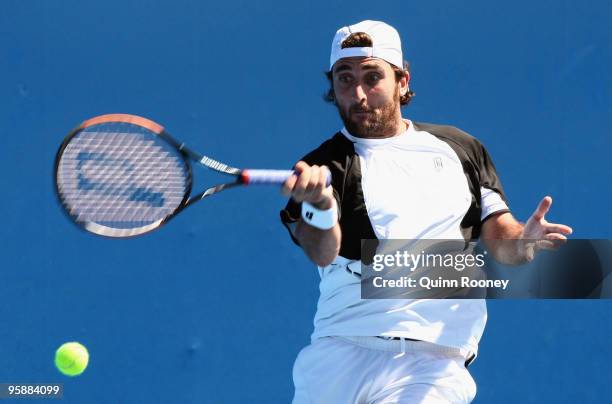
{"type": "Point", "coordinates": [318, 181]}
{"type": "Point", "coordinates": [326, 173]}
{"type": "Point", "coordinates": [319, 192]}
{"type": "Point", "coordinates": [529, 249]}
{"type": "Point", "coordinates": [542, 208]}
{"type": "Point", "coordinates": [550, 245]}
{"type": "Point", "coordinates": [288, 185]}
{"type": "Point", "coordinates": [312, 183]}
{"type": "Point", "coordinates": [558, 228]}
{"type": "Point", "coordinates": [323, 175]}
{"type": "Point", "coordinates": [556, 239]}
{"type": "Point", "coordinates": [555, 236]}
{"type": "Point", "coordinates": [530, 252]}
{"type": "Point", "coordinates": [545, 245]}
{"type": "Point", "coordinates": [299, 190]}
{"type": "Point", "coordinates": [551, 241]}
{"type": "Point", "coordinates": [300, 167]}
{"type": "Point", "coordinates": [556, 244]}
{"type": "Point", "coordinates": [315, 173]}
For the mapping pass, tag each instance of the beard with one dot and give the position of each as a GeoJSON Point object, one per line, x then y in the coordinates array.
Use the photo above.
{"type": "Point", "coordinates": [375, 123]}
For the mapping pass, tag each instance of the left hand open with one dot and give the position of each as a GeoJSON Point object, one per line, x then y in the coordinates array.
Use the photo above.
{"type": "Point", "coordinates": [539, 234]}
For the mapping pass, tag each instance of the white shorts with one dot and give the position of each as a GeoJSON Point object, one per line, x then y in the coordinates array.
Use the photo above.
{"type": "Point", "coordinates": [371, 370]}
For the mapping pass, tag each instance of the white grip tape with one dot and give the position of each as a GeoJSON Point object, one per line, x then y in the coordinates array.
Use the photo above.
{"type": "Point", "coordinates": [267, 176]}
{"type": "Point", "coordinates": [271, 176]}
{"type": "Point", "coordinates": [321, 219]}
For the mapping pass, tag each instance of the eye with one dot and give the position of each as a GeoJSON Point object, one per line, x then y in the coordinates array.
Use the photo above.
{"type": "Point", "coordinates": [373, 78]}
{"type": "Point", "coordinates": [344, 78]}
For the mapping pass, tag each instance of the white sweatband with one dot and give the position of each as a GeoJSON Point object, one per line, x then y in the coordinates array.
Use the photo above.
{"type": "Point", "coordinates": [321, 219]}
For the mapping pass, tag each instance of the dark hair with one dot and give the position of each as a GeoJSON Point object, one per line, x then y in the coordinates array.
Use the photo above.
{"type": "Point", "coordinates": [361, 39]}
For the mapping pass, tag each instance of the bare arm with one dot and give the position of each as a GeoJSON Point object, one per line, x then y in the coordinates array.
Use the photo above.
{"type": "Point", "coordinates": [321, 246]}
{"type": "Point", "coordinates": [497, 234]}
{"type": "Point", "coordinates": [513, 243]}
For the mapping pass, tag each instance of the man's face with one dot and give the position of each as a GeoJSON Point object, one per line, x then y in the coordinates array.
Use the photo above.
{"type": "Point", "coordinates": [367, 96]}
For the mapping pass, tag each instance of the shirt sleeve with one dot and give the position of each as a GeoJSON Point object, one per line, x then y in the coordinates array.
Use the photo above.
{"type": "Point", "coordinates": [492, 197]}
{"type": "Point", "coordinates": [491, 202]}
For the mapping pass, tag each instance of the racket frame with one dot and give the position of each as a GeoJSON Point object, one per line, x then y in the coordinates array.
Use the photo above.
{"type": "Point", "coordinates": [185, 153]}
{"type": "Point", "coordinates": [241, 177]}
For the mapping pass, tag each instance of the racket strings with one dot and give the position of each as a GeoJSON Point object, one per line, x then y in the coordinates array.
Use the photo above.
{"type": "Point", "coordinates": [121, 176]}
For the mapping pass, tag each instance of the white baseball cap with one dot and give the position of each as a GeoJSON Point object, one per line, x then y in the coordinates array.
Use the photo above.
{"type": "Point", "coordinates": [386, 43]}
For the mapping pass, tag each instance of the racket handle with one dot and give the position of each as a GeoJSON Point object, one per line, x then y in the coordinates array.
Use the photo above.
{"type": "Point", "coordinates": [274, 177]}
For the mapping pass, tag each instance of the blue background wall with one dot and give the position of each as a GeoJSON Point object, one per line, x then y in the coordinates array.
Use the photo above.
{"type": "Point", "coordinates": [214, 307]}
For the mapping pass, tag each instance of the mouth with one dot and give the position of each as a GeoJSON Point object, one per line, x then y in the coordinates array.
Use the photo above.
{"type": "Point", "coordinates": [361, 113]}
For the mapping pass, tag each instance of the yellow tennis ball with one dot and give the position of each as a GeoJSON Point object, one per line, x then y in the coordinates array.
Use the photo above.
{"type": "Point", "coordinates": [71, 358]}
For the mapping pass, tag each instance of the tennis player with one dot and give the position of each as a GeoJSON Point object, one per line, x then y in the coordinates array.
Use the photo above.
{"type": "Point", "coordinates": [393, 179]}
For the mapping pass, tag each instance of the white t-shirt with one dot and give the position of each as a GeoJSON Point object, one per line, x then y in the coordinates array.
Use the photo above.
{"type": "Point", "coordinates": [414, 187]}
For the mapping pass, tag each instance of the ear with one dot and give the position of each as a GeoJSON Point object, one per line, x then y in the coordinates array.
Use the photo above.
{"type": "Point", "coordinates": [404, 83]}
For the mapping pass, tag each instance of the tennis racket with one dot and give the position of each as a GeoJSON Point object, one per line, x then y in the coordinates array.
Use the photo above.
{"type": "Point", "coordinates": [122, 175]}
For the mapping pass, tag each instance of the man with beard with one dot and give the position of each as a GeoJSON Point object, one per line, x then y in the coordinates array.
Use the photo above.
{"type": "Point", "coordinates": [393, 178]}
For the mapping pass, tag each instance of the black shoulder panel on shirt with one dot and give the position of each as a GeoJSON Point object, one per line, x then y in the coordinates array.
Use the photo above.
{"type": "Point", "coordinates": [477, 166]}
{"type": "Point", "coordinates": [338, 154]}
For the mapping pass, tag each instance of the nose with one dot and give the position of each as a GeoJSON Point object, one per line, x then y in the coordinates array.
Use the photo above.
{"type": "Point", "coordinates": [359, 93]}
